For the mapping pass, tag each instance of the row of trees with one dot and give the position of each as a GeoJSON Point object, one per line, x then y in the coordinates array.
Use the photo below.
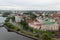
{"type": "Point", "coordinates": [32, 16]}
{"type": "Point", "coordinates": [45, 36]}
{"type": "Point", "coordinates": [9, 25]}
{"type": "Point", "coordinates": [5, 14]}
{"type": "Point", "coordinates": [24, 24]}
{"type": "Point", "coordinates": [13, 18]}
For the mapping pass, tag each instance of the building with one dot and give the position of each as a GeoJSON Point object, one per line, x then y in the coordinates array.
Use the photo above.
{"type": "Point", "coordinates": [44, 24]}
{"type": "Point", "coordinates": [58, 21]}
{"type": "Point", "coordinates": [40, 19]}
{"type": "Point", "coordinates": [41, 23]}
{"type": "Point", "coordinates": [34, 24]}
{"type": "Point", "coordinates": [49, 26]}
{"type": "Point", "coordinates": [55, 16]}
{"type": "Point", "coordinates": [18, 18]}
{"type": "Point", "coordinates": [36, 14]}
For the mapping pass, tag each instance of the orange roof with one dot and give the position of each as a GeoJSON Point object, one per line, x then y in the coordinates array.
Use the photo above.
{"type": "Point", "coordinates": [57, 20]}
{"type": "Point", "coordinates": [54, 15]}
{"type": "Point", "coordinates": [29, 21]}
{"type": "Point", "coordinates": [36, 20]}
{"type": "Point", "coordinates": [37, 24]}
{"type": "Point", "coordinates": [32, 22]}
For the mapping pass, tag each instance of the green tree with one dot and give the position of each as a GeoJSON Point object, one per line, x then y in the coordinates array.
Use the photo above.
{"type": "Point", "coordinates": [6, 14]}
{"type": "Point", "coordinates": [13, 18]}
{"type": "Point", "coordinates": [30, 29]}
{"type": "Point", "coordinates": [59, 28]}
{"type": "Point", "coordinates": [32, 16]}
{"type": "Point", "coordinates": [7, 19]}
{"type": "Point", "coordinates": [45, 36]}
{"type": "Point", "coordinates": [8, 24]}
{"type": "Point", "coordinates": [24, 24]}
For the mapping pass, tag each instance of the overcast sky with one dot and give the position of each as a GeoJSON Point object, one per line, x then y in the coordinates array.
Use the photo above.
{"type": "Point", "coordinates": [30, 4]}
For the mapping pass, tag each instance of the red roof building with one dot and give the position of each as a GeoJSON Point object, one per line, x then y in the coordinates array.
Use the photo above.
{"type": "Point", "coordinates": [57, 20]}
{"type": "Point", "coordinates": [55, 16]}
{"type": "Point", "coordinates": [35, 24]}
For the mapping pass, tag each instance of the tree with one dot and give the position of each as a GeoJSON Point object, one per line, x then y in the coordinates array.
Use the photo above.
{"type": "Point", "coordinates": [8, 24]}
{"type": "Point", "coordinates": [7, 19]}
{"type": "Point", "coordinates": [33, 16]}
{"type": "Point", "coordinates": [24, 24]}
{"type": "Point", "coordinates": [18, 29]}
{"type": "Point", "coordinates": [59, 28]}
{"type": "Point", "coordinates": [6, 14]}
{"type": "Point", "coordinates": [30, 29]}
{"type": "Point", "coordinates": [45, 36]}
{"type": "Point", "coordinates": [13, 18]}
{"type": "Point", "coordinates": [36, 31]}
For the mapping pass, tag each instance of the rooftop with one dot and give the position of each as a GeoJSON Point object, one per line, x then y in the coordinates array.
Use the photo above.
{"type": "Point", "coordinates": [47, 22]}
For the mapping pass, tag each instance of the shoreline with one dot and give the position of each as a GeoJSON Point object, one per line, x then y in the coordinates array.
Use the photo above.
{"type": "Point", "coordinates": [21, 33]}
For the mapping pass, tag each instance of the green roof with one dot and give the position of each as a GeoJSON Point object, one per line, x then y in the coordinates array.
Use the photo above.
{"type": "Point", "coordinates": [45, 18]}
{"type": "Point", "coordinates": [47, 22]}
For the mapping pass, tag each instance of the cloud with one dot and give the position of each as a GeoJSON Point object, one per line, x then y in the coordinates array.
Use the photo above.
{"type": "Point", "coordinates": [30, 4]}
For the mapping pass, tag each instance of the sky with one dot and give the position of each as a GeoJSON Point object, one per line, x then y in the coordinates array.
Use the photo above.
{"type": "Point", "coordinates": [29, 4]}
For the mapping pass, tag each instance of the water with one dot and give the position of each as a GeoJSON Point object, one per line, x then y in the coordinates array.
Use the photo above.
{"type": "Point", "coordinates": [2, 19]}
{"type": "Point", "coordinates": [5, 35]}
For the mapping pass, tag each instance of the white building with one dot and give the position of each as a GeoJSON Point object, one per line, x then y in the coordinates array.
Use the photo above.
{"type": "Point", "coordinates": [44, 24]}
{"type": "Point", "coordinates": [18, 18]}
{"type": "Point", "coordinates": [50, 26]}
{"type": "Point", "coordinates": [39, 19]}
{"type": "Point", "coordinates": [51, 20]}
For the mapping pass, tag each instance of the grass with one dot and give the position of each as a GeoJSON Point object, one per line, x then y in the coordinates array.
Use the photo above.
{"type": "Point", "coordinates": [29, 33]}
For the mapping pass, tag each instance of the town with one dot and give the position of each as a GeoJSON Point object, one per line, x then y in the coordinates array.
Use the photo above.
{"type": "Point", "coordinates": [40, 21]}
{"type": "Point", "coordinates": [39, 25]}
